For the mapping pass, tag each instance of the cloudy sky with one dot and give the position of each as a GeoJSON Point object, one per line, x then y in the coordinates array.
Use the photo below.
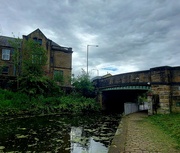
{"type": "Point", "coordinates": [132, 35]}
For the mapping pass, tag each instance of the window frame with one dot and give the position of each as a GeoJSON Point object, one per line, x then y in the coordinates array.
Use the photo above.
{"type": "Point", "coordinates": [6, 54]}
{"type": "Point", "coordinates": [5, 70]}
{"type": "Point", "coordinates": [38, 40]}
{"type": "Point", "coordinates": [58, 72]}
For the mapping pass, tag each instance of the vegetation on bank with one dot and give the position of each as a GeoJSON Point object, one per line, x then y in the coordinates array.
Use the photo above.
{"type": "Point", "coordinates": [17, 103]}
{"type": "Point", "coordinates": [169, 123]}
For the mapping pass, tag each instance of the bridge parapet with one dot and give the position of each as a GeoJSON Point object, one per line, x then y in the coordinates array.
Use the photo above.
{"type": "Point", "coordinates": [160, 75]}
{"type": "Point", "coordinates": [133, 78]}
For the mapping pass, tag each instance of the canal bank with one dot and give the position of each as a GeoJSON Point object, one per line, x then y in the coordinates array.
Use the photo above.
{"type": "Point", "coordinates": [134, 134]}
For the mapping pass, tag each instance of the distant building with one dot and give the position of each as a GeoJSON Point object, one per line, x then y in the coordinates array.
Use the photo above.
{"type": "Point", "coordinates": [106, 75]}
{"type": "Point", "coordinates": [59, 58]}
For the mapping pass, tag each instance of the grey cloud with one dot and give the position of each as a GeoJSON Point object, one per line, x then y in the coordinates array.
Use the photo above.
{"type": "Point", "coordinates": [131, 34]}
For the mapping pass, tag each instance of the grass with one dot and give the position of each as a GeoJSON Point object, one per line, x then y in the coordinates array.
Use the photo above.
{"type": "Point", "coordinates": [169, 124]}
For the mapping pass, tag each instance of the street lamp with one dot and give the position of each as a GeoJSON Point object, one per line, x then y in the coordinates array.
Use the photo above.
{"type": "Point", "coordinates": [87, 54]}
{"type": "Point", "coordinates": [97, 71]}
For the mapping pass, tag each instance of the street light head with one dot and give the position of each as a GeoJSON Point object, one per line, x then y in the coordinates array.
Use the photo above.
{"type": "Point", "coordinates": [93, 45]}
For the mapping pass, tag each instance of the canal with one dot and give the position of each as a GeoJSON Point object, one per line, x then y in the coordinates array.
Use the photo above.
{"type": "Point", "coordinates": [90, 133]}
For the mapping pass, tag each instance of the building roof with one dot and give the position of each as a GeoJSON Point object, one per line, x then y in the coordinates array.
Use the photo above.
{"type": "Point", "coordinates": [55, 46]}
{"type": "Point", "coordinates": [6, 41]}
{"type": "Point", "coordinates": [38, 30]}
{"type": "Point", "coordinates": [107, 75]}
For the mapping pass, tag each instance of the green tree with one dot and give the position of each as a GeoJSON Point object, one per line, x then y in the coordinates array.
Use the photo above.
{"type": "Point", "coordinates": [34, 58]}
{"type": "Point", "coordinates": [83, 85]}
{"type": "Point", "coordinates": [16, 44]}
{"type": "Point", "coordinates": [32, 79]}
{"type": "Point", "coordinates": [30, 58]}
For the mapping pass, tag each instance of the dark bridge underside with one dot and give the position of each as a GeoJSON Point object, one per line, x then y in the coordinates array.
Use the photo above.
{"type": "Point", "coordinates": [113, 100]}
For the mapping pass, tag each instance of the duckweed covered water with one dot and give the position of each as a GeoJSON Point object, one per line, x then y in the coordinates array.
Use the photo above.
{"type": "Point", "coordinates": [91, 133]}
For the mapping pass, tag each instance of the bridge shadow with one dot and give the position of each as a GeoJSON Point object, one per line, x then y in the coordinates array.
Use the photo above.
{"type": "Point", "coordinates": [113, 101]}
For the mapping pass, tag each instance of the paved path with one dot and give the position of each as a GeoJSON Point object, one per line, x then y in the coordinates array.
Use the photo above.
{"type": "Point", "coordinates": [135, 135]}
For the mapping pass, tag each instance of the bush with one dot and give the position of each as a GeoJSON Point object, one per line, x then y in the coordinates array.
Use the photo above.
{"type": "Point", "coordinates": [83, 85]}
{"type": "Point", "coordinates": [18, 103]}
{"type": "Point", "coordinates": [13, 99]}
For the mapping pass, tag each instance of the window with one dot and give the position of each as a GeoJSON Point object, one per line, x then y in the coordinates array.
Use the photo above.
{"type": "Point", "coordinates": [58, 72]}
{"type": "Point", "coordinates": [52, 60]}
{"type": "Point", "coordinates": [5, 54]}
{"type": "Point", "coordinates": [58, 75]}
{"type": "Point", "coordinates": [5, 70]}
{"type": "Point", "coordinates": [35, 39]}
{"type": "Point", "coordinates": [177, 104]}
{"type": "Point", "coordinates": [39, 41]}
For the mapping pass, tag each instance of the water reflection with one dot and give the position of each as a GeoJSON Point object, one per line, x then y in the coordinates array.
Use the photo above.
{"type": "Point", "coordinates": [60, 133]}
{"type": "Point", "coordinates": [81, 144]}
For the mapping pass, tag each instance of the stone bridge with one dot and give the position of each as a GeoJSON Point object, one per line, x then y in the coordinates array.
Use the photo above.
{"type": "Point", "coordinates": [164, 82]}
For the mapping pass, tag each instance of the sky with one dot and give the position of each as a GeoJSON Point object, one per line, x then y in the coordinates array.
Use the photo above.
{"type": "Point", "coordinates": [132, 35]}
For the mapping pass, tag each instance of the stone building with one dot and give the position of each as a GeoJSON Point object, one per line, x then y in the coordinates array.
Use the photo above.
{"type": "Point", "coordinates": [59, 58]}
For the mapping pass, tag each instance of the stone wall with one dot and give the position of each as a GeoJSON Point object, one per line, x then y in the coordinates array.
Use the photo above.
{"type": "Point", "coordinates": [62, 59]}
{"type": "Point", "coordinates": [175, 98]}
{"type": "Point", "coordinates": [164, 97]}
{"type": "Point", "coordinates": [175, 89]}
{"type": "Point", "coordinates": [133, 78]}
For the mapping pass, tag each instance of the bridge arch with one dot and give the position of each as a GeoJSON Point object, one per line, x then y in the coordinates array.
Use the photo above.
{"type": "Point", "coordinates": [114, 99]}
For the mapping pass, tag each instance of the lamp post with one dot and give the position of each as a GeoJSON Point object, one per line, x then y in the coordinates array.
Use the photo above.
{"type": "Point", "coordinates": [97, 71]}
{"type": "Point", "coordinates": [87, 54]}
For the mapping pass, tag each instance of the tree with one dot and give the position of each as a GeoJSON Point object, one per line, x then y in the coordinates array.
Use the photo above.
{"type": "Point", "coordinates": [83, 85]}
{"type": "Point", "coordinates": [30, 58]}
{"type": "Point", "coordinates": [16, 44]}
{"type": "Point", "coordinates": [34, 58]}
{"type": "Point", "coordinates": [32, 79]}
